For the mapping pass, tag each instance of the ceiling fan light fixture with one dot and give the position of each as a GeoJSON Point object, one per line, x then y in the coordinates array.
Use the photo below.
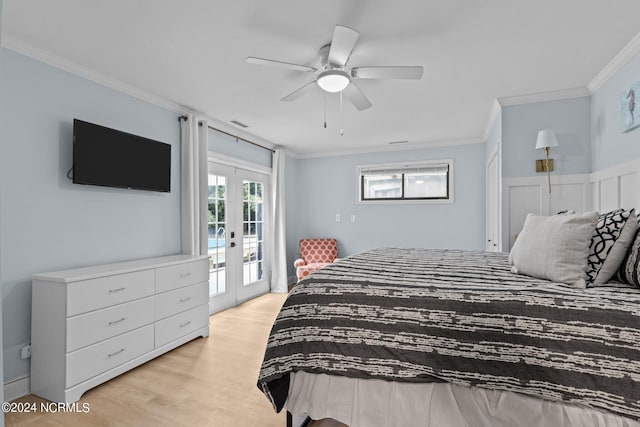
{"type": "Point", "coordinates": [333, 80]}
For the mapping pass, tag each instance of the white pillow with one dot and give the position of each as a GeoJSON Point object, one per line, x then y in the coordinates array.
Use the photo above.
{"type": "Point", "coordinates": [555, 247]}
{"type": "Point", "coordinates": [515, 243]}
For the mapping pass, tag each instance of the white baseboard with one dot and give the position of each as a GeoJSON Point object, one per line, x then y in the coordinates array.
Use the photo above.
{"type": "Point", "coordinates": [17, 388]}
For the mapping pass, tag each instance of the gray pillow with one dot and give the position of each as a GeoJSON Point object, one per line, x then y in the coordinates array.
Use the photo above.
{"type": "Point", "coordinates": [630, 268]}
{"type": "Point", "coordinates": [610, 242]}
{"type": "Point", "coordinates": [555, 247]}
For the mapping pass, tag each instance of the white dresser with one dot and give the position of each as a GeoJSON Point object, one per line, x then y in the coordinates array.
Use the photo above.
{"type": "Point", "coordinates": [91, 324]}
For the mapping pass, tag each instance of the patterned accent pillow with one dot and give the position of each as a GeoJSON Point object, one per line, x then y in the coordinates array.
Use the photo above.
{"type": "Point", "coordinates": [611, 239]}
{"type": "Point", "coordinates": [630, 268]}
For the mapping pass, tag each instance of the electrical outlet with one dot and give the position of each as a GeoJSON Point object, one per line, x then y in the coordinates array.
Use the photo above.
{"type": "Point", "coordinates": [337, 217]}
{"type": "Point", "coordinates": [25, 352]}
{"type": "Point", "coordinates": [353, 218]}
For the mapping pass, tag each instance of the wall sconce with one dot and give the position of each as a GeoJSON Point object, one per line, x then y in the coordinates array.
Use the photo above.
{"type": "Point", "coordinates": [546, 139]}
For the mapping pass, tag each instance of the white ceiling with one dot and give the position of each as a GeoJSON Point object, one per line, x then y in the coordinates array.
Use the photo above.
{"type": "Point", "coordinates": [192, 54]}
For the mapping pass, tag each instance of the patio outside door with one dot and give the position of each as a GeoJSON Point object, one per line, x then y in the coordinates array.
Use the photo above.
{"type": "Point", "coordinates": [237, 235]}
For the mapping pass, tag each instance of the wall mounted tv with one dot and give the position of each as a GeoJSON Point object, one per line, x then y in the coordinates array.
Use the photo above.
{"type": "Point", "coordinates": [112, 158]}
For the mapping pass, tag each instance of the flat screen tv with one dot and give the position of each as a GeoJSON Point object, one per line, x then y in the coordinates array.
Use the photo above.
{"type": "Point", "coordinates": [112, 158]}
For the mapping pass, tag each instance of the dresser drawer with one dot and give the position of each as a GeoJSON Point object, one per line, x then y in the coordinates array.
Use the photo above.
{"type": "Point", "coordinates": [181, 324]}
{"type": "Point", "coordinates": [98, 358]}
{"type": "Point", "coordinates": [93, 294]}
{"type": "Point", "coordinates": [182, 299]}
{"type": "Point", "coordinates": [90, 328]}
{"type": "Point", "coordinates": [179, 275]}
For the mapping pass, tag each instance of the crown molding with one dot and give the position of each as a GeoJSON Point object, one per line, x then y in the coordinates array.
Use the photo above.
{"type": "Point", "coordinates": [629, 51]}
{"type": "Point", "coordinates": [118, 85]}
{"type": "Point", "coordinates": [92, 75]}
{"type": "Point", "coordinates": [554, 95]}
{"type": "Point", "coordinates": [496, 109]}
{"type": "Point", "coordinates": [390, 148]}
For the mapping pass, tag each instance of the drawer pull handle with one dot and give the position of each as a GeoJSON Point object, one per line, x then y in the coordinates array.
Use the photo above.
{"type": "Point", "coordinates": [183, 275]}
{"type": "Point", "coordinates": [185, 299]}
{"type": "Point", "coordinates": [113, 291]}
{"type": "Point", "coordinates": [116, 353]}
{"type": "Point", "coordinates": [117, 321]}
{"type": "Point", "coordinates": [185, 324]}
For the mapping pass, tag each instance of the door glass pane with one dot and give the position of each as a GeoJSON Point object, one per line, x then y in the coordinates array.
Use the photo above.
{"type": "Point", "coordinates": [253, 231]}
{"type": "Point", "coordinates": [217, 227]}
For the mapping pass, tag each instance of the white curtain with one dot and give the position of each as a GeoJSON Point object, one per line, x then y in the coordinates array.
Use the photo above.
{"type": "Point", "coordinates": [194, 185]}
{"type": "Point", "coordinates": [279, 275]}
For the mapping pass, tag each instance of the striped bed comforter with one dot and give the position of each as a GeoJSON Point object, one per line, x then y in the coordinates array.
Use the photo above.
{"type": "Point", "coordinates": [419, 315]}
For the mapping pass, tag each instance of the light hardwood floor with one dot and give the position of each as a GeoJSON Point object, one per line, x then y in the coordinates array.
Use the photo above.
{"type": "Point", "coordinates": [206, 382]}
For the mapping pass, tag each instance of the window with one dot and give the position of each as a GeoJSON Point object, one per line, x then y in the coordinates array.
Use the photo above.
{"type": "Point", "coordinates": [428, 181]}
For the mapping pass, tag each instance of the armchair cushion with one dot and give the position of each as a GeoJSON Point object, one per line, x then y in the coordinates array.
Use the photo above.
{"type": "Point", "coordinates": [315, 254]}
{"type": "Point", "coordinates": [305, 270]}
{"type": "Point", "coordinates": [318, 250]}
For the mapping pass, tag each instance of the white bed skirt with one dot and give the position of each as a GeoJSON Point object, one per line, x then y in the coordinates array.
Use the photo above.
{"type": "Point", "coordinates": [371, 403]}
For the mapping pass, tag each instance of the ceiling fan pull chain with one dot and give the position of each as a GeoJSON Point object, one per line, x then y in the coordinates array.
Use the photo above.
{"type": "Point", "coordinates": [325, 110]}
{"type": "Point", "coordinates": [341, 120]}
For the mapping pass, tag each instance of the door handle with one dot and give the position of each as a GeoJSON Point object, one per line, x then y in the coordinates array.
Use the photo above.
{"type": "Point", "coordinates": [233, 244]}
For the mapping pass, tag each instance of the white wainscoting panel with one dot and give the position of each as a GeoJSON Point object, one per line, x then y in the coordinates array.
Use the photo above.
{"type": "Point", "coordinates": [569, 196]}
{"type": "Point", "coordinates": [522, 199]}
{"type": "Point", "coordinates": [602, 191]}
{"type": "Point", "coordinates": [616, 187]}
{"type": "Point", "coordinates": [608, 194]}
{"type": "Point", "coordinates": [630, 190]}
{"type": "Point", "coordinates": [525, 195]}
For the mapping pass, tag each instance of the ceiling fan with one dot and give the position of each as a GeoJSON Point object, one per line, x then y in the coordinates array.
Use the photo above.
{"type": "Point", "coordinates": [334, 76]}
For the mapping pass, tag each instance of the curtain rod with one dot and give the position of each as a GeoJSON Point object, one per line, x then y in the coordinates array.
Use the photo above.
{"type": "Point", "coordinates": [238, 138]}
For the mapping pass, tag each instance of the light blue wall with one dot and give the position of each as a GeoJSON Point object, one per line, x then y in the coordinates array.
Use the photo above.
{"type": "Point", "coordinates": [608, 144]}
{"type": "Point", "coordinates": [327, 186]}
{"type": "Point", "coordinates": [569, 118]}
{"type": "Point", "coordinates": [292, 212]}
{"type": "Point", "coordinates": [48, 223]}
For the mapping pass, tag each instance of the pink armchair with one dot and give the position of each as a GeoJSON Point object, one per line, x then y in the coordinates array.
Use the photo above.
{"type": "Point", "coordinates": [315, 254]}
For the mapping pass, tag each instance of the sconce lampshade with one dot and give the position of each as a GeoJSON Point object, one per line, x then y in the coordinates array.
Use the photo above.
{"type": "Point", "coordinates": [546, 139]}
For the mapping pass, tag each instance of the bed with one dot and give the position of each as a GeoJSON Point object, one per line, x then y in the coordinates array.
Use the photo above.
{"type": "Point", "coordinates": [397, 336]}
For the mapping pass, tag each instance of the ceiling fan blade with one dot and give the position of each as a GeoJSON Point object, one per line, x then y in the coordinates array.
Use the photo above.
{"type": "Point", "coordinates": [344, 39]}
{"type": "Point", "coordinates": [356, 97]}
{"type": "Point", "coordinates": [288, 65]}
{"type": "Point", "coordinates": [299, 92]}
{"type": "Point", "coordinates": [413, 73]}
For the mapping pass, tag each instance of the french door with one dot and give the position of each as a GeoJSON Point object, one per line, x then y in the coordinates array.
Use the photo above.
{"type": "Point", "coordinates": [238, 235]}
